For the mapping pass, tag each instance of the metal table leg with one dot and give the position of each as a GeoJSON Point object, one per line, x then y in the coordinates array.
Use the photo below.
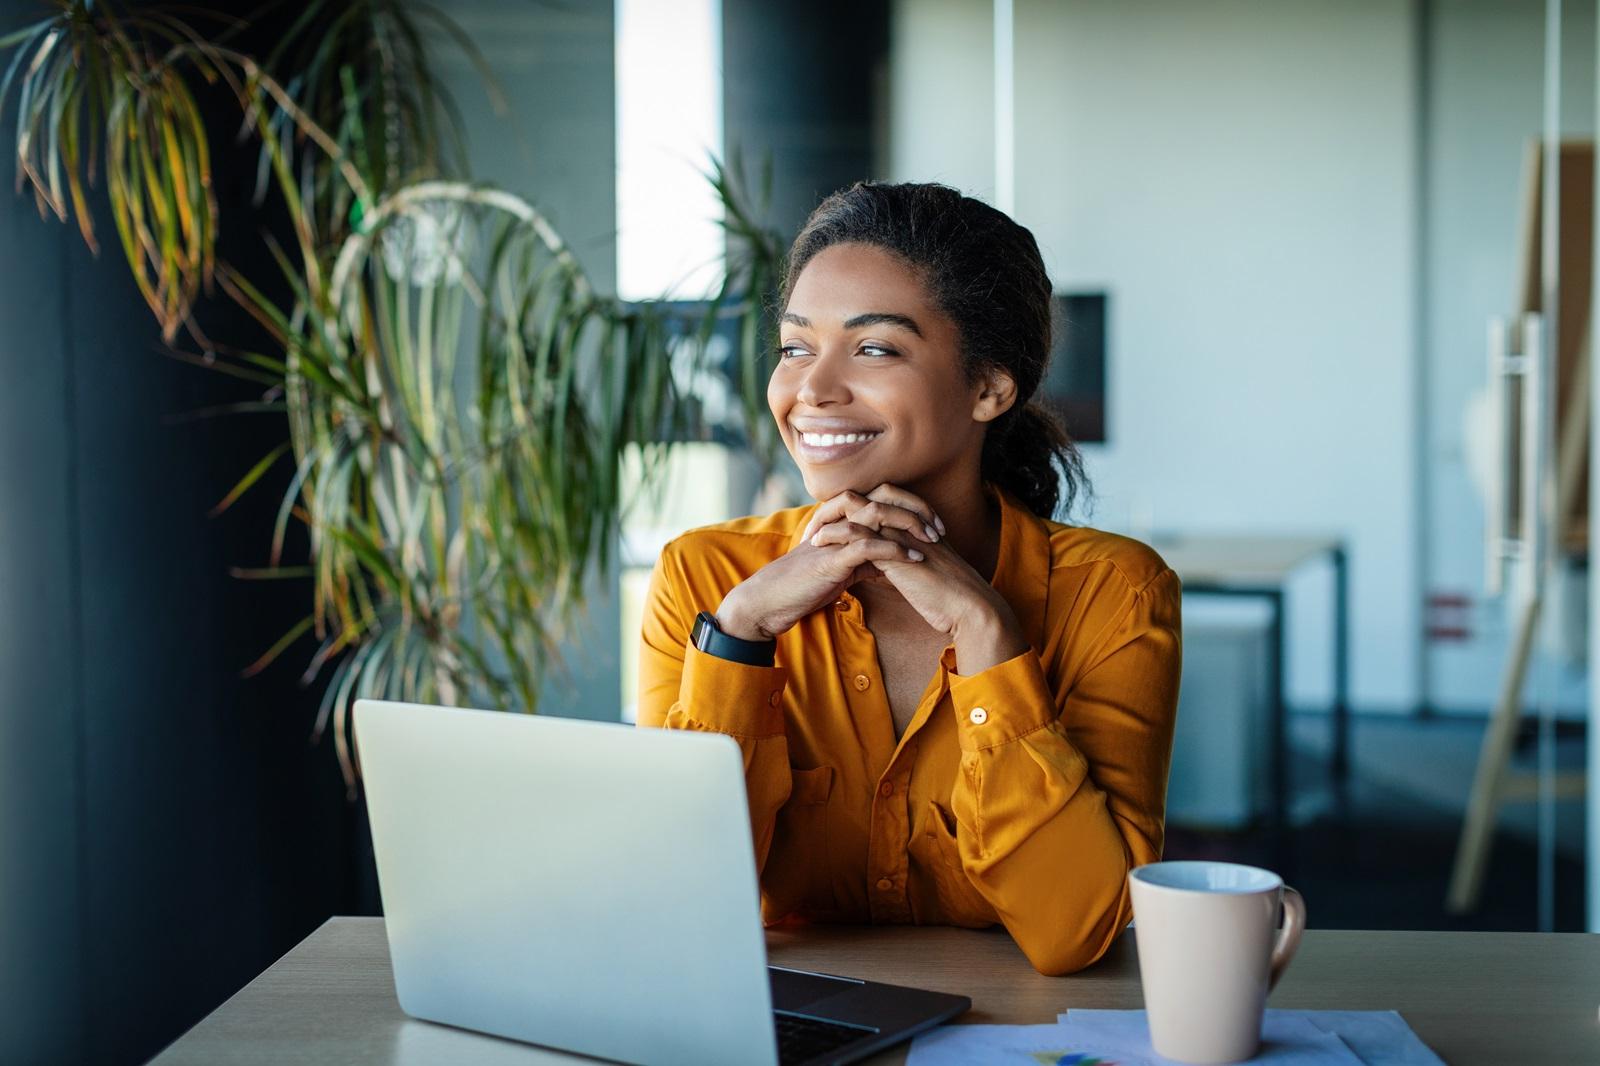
{"type": "Point", "coordinates": [1280, 713]}
{"type": "Point", "coordinates": [1341, 672]}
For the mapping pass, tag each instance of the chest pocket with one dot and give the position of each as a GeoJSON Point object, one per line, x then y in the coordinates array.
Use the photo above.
{"type": "Point", "coordinates": [797, 876]}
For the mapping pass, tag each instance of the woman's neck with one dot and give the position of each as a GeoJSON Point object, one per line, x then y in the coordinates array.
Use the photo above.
{"type": "Point", "coordinates": [971, 520]}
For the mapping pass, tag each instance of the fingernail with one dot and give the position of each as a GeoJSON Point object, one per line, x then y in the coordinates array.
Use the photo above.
{"type": "Point", "coordinates": [933, 534]}
{"type": "Point", "coordinates": [914, 555]}
{"type": "Point", "coordinates": [814, 537]}
{"type": "Point", "coordinates": [939, 522]}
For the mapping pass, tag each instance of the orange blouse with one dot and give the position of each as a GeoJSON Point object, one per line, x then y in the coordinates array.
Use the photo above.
{"type": "Point", "coordinates": [1022, 794]}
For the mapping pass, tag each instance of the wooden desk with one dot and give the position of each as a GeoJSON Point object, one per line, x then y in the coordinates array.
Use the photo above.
{"type": "Point", "coordinates": [1490, 998]}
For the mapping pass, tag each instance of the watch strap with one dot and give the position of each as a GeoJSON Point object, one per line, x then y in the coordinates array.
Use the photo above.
{"type": "Point", "coordinates": [713, 641]}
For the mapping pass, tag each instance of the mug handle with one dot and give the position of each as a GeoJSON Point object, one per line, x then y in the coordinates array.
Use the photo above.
{"type": "Point", "coordinates": [1294, 923]}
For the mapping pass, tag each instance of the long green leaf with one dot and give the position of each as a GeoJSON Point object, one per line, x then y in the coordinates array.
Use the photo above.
{"type": "Point", "coordinates": [250, 478]}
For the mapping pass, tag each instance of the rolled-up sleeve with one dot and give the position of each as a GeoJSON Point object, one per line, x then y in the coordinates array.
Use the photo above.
{"type": "Point", "coordinates": [1060, 793]}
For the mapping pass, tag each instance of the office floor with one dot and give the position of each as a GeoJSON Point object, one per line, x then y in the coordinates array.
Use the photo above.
{"type": "Point", "coordinates": [1382, 859]}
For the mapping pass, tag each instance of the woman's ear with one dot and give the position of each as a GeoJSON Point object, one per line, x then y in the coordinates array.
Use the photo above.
{"type": "Point", "coordinates": [996, 394]}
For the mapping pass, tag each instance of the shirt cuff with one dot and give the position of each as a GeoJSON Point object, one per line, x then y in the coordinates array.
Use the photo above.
{"type": "Point", "coordinates": [1002, 703]}
{"type": "Point", "coordinates": [732, 698]}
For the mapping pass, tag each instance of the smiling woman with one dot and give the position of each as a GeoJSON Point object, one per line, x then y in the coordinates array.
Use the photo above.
{"type": "Point", "coordinates": [954, 709]}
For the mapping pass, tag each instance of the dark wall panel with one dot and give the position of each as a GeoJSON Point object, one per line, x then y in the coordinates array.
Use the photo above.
{"type": "Point", "coordinates": [41, 987]}
{"type": "Point", "coordinates": [803, 87]}
{"type": "Point", "coordinates": [166, 827]}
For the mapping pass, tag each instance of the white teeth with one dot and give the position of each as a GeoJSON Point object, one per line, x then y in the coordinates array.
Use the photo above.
{"type": "Point", "coordinates": [828, 440]}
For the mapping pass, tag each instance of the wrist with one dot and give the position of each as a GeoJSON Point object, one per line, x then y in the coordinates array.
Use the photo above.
{"type": "Point", "coordinates": [732, 620]}
{"type": "Point", "coordinates": [986, 636]}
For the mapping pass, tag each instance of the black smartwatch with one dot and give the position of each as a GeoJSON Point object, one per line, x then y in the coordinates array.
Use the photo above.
{"type": "Point", "coordinates": [708, 638]}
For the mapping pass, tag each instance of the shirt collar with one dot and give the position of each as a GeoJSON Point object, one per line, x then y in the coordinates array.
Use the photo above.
{"type": "Point", "coordinates": [1022, 572]}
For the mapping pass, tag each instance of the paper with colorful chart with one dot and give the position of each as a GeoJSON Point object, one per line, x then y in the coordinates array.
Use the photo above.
{"type": "Point", "coordinates": [1121, 1038]}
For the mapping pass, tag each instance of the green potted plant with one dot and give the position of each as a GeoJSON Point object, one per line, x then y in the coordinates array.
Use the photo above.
{"type": "Point", "coordinates": [457, 395]}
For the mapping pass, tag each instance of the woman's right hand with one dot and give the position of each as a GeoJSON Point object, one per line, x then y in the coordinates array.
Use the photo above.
{"type": "Point", "coordinates": [807, 577]}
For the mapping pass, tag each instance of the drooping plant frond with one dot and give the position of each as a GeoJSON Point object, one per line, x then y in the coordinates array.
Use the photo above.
{"type": "Point", "coordinates": [96, 87]}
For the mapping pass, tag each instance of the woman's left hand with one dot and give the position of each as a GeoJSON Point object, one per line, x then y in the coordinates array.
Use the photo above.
{"type": "Point", "coordinates": [949, 594]}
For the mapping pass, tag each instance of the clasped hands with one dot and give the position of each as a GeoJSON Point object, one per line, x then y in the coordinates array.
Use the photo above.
{"type": "Point", "coordinates": [888, 533]}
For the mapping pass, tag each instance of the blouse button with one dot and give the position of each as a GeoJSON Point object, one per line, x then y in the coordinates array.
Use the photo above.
{"type": "Point", "coordinates": [978, 716]}
{"type": "Point", "coordinates": [884, 884]}
{"type": "Point", "coordinates": [886, 789]}
{"type": "Point", "coordinates": [863, 682]}
{"type": "Point", "coordinates": [774, 698]}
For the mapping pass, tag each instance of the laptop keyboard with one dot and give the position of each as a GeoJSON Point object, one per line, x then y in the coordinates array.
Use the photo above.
{"type": "Point", "coordinates": [803, 1039]}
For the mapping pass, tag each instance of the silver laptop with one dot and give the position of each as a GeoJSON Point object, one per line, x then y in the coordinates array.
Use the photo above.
{"type": "Point", "coordinates": [592, 887]}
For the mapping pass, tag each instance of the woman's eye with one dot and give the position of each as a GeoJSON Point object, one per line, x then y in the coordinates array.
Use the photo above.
{"type": "Point", "coordinates": [876, 351]}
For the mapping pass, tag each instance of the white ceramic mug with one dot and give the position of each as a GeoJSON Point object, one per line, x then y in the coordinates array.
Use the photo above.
{"type": "Point", "coordinates": [1209, 951]}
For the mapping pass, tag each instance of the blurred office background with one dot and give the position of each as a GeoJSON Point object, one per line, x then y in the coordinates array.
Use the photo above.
{"type": "Point", "coordinates": [1278, 231]}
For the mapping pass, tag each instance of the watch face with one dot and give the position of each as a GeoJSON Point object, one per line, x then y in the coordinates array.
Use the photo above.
{"type": "Point", "coordinates": [703, 628]}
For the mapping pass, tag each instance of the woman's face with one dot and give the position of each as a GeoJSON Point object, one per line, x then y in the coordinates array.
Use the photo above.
{"type": "Point", "coordinates": [869, 386]}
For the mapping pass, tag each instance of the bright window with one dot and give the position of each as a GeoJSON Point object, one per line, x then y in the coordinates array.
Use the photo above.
{"type": "Point", "coordinates": [669, 124]}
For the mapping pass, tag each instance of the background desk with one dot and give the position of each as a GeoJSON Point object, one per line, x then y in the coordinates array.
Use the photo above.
{"type": "Point", "coordinates": [1490, 998]}
{"type": "Point", "coordinates": [1259, 567]}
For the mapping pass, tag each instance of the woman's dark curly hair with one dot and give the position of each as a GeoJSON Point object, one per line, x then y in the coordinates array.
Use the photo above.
{"type": "Point", "coordinates": [983, 271]}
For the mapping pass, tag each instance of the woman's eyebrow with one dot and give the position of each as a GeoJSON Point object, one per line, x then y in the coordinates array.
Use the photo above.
{"type": "Point", "coordinates": [871, 318]}
{"type": "Point", "coordinates": [884, 318]}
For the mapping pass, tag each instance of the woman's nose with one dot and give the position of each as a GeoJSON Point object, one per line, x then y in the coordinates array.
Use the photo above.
{"type": "Point", "coordinates": [824, 383]}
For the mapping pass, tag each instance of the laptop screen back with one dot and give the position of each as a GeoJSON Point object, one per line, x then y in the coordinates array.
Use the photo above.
{"type": "Point", "coordinates": [579, 885]}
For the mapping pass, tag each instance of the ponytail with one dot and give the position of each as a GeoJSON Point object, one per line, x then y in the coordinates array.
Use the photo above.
{"type": "Point", "coordinates": [1027, 453]}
